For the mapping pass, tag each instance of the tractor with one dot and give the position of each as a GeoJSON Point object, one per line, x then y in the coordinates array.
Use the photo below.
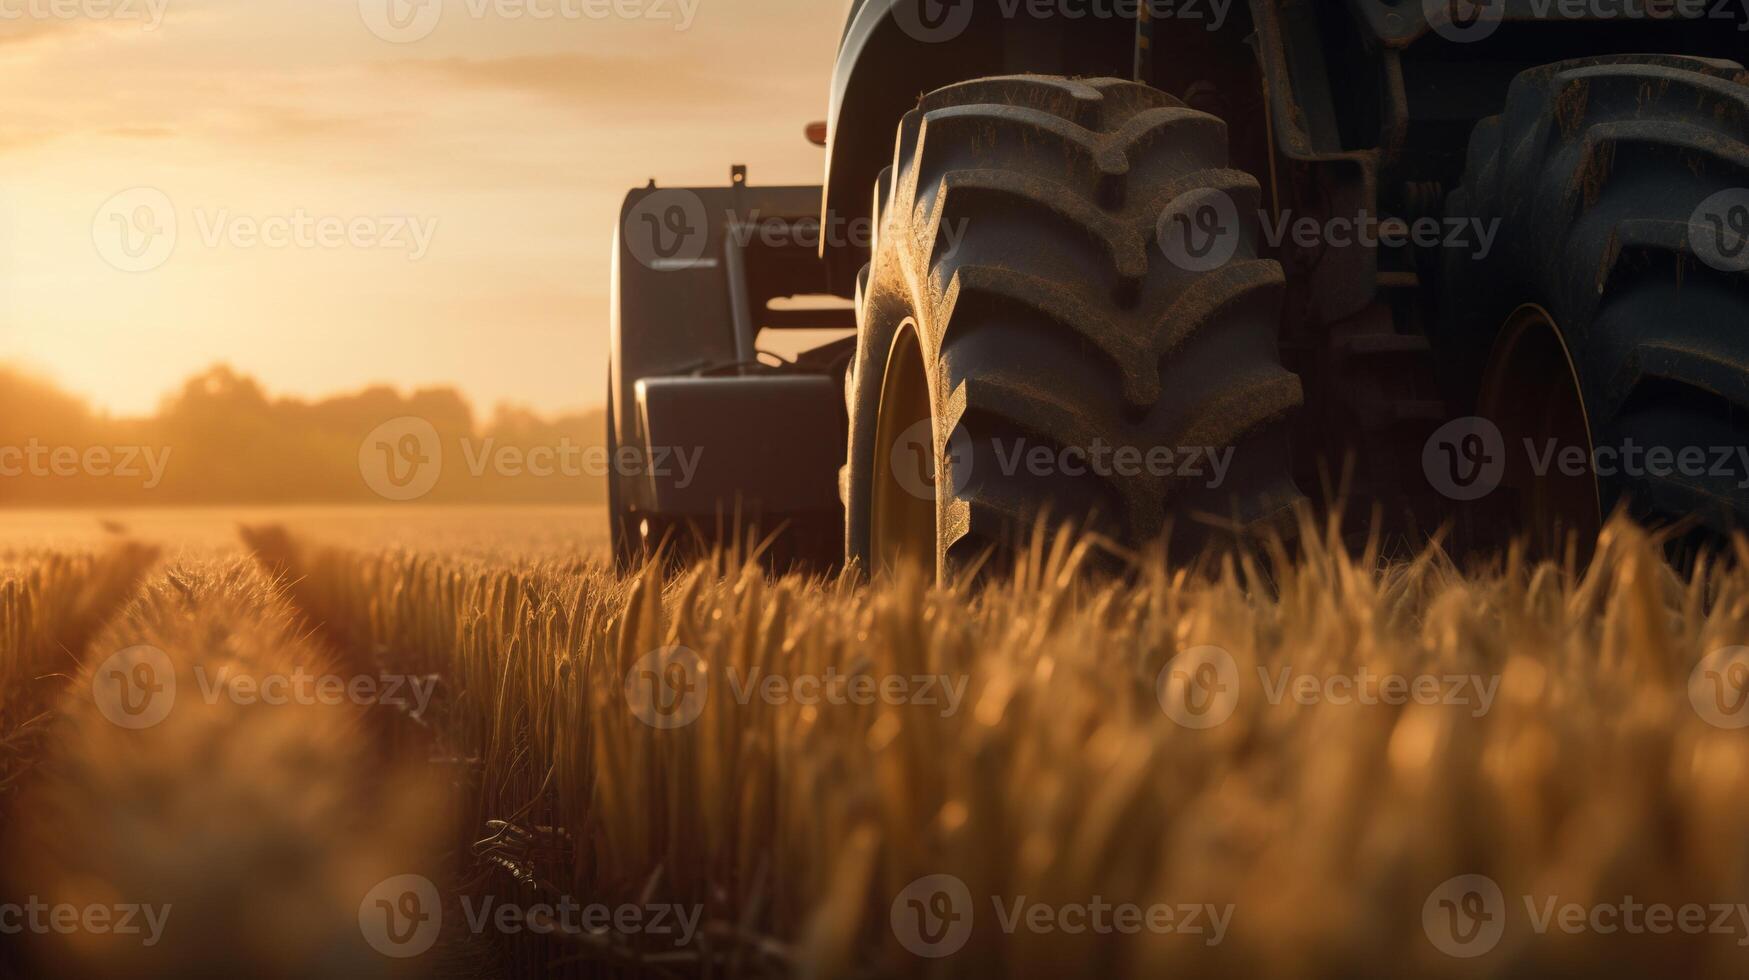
{"type": "Point", "coordinates": [1164, 268]}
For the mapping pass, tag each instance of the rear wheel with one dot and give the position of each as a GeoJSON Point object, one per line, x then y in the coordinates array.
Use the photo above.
{"type": "Point", "coordinates": [1608, 322]}
{"type": "Point", "coordinates": [1028, 347]}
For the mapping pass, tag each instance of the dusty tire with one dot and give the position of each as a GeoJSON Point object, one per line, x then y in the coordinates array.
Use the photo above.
{"type": "Point", "coordinates": [1596, 172]}
{"type": "Point", "coordinates": [1018, 260]}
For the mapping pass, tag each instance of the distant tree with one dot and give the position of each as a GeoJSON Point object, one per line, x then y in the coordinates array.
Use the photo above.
{"type": "Point", "coordinates": [230, 443]}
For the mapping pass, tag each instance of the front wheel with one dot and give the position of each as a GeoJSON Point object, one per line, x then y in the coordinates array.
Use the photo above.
{"type": "Point", "coordinates": [1030, 347]}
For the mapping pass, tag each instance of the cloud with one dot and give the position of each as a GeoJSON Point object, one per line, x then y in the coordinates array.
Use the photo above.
{"type": "Point", "coordinates": [142, 132]}
{"type": "Point", "coordinates": [589, 82]}
{"type": "Point", "coordinates": [275, 123]}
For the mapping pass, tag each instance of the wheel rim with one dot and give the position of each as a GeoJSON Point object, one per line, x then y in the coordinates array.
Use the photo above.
{"type": "Point", "coordinates": [1531, 391]}
{"type": "Point", "coordinates": [902, 527]}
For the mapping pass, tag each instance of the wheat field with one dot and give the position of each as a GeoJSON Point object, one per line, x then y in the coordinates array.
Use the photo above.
{"type": "Point", "coordinates": [1319, 766]}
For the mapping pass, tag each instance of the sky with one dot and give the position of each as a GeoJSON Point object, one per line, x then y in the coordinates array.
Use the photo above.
{"type": "Point", "coordinates": [328, 194]}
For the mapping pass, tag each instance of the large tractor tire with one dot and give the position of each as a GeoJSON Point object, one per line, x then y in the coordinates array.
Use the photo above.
{"type": "Point", "coordinates": [1020, 303]}
{"type": "Point", "coordinates": [1613, 311]}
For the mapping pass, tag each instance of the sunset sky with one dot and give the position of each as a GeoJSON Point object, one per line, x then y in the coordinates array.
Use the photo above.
{"type": "Point", "coordinates": [449, 199]}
